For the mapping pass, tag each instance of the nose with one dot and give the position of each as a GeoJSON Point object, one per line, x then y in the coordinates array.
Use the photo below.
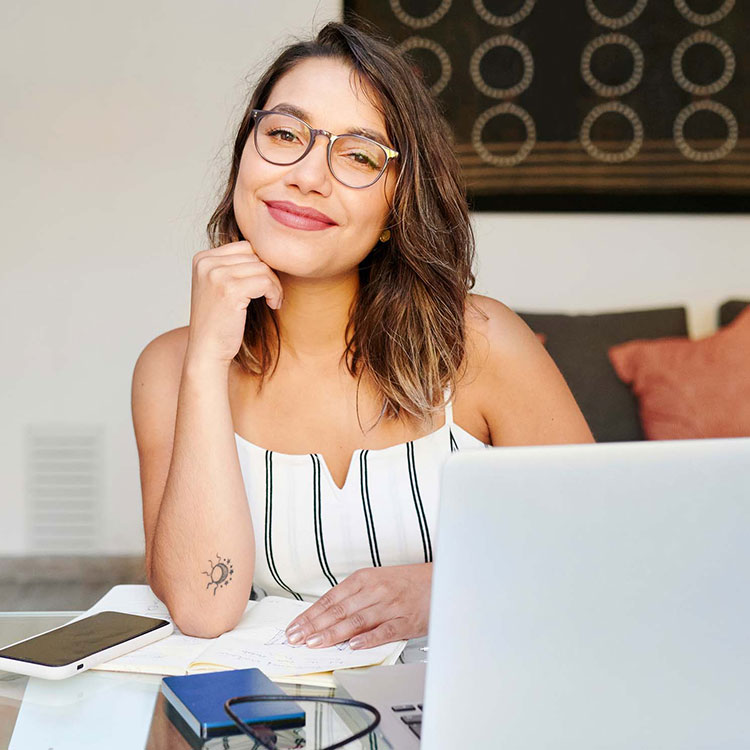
{"type": "Point", "coordinates": [312, 173]}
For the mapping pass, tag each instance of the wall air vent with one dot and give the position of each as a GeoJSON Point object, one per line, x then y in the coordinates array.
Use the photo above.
{"type": "Point", "coordinates": [64, 488]}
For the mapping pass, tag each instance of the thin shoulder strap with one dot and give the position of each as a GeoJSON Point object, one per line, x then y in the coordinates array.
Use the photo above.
{"type": "Point", "coordinates": [449, 420]}
{"type": "Point", "coordinates": [448, 408]}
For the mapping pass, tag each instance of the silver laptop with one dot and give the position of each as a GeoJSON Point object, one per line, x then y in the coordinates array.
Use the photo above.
{"type": "Point", "coordinates": [584, 597]}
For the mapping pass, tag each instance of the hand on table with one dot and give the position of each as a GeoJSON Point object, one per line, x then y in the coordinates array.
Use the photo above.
{"type": "Point", "coordinates": [371, 607]}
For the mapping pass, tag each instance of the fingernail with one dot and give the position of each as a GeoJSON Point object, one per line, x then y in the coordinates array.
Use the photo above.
{"type": "Point", "coordinates": [314, 641]}
{"type": "Point", "coordinates": [356, 642]}
{"type": "Point", "coordinates": [294, 637]}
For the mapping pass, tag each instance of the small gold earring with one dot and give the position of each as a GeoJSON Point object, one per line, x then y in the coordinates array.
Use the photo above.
{"type": "Point", "coordinates": [385, 235]}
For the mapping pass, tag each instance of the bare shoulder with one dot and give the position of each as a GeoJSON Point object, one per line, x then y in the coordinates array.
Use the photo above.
{"type": "Point", "coordinates": [498, 342]}
{"type": "Point", "coordinates": [493, 329]}
{"type": "Point", "coordinates": [156, 384]}
{"type": "Point", "coordinates": [514, 383]}
{"type": "Point", "coordinates": [164, 355]}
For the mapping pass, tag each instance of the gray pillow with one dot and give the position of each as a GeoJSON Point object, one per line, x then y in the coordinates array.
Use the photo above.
{"type": "Point", "coordinates": [579, 344]}
{"type": "Point", "coordinates": [730, 310]}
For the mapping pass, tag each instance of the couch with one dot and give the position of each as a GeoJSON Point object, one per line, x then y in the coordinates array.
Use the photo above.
{"type": "Point", "coordinates": [636, 375]}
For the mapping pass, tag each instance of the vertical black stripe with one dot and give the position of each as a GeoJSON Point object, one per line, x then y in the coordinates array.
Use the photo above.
{"type": "Point", "coordinates": [318, 522]}
{"type": "Point", "coordinates": [426, 544]}
{"type": "Point", "coordinates": [367, 508]}
{"type": "Point", "coordinates": [269, 518]}
{"type": "Point", "coordinates": [454, 444]}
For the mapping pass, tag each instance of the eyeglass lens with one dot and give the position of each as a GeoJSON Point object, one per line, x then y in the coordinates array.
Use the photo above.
{"type": "Point", "coordinates": [354, 160]}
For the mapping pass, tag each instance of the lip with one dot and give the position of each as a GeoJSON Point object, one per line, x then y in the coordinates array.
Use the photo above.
{"type": "Point", "coordinates": [299, 217]}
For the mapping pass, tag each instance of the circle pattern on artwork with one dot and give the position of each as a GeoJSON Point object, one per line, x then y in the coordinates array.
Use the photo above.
{"type": "Point", "coordinates": [703, 37]}
{"type": "Point", "coordinates": [506, 108]}
{"type": "Point", "coordinates": [618, 22]}
{"type": "Point", "coordinates": [446, 69]}
{"type": "Point", "coordinates": [420, 23]}
{"type": "Point", "coordinates": [602, 89]}
{"type": "Point", "coordinates": [612, 157]}
{"type": "Point", "coordinates": [510, 20]}
{"type": "Point", "coordinates": [504, 40]}
{"type": "Point", "coordinates": [703, 19]}
{"type": "Point", "coordinates": [714, 154]}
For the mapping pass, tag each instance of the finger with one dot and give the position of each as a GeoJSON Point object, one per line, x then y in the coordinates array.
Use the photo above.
{"type": "Point", "coordinates": [208, 263]}
{"type": "Point", "coordinates": [332, 598]}
{"type": "Point", "coordinates": [253, 284]}
{"type": "Point", "coordinates": [249, 280]}
{"type": "Point", "coordinates": [358, 622]}
{"type": "Point", "coordinates": [387, 632]}
{"type": "Point", "coordinates": [234, 258]}
{"type": "Point", "coordinates": [274, 292]}
{"type": "Point", "coordinates": [348, 611]}
{"type": "Point", "coordinates": [231, 248]}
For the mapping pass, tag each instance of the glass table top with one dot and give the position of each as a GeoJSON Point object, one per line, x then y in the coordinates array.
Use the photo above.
{"type": "Point", "coordinates": [98, 709]}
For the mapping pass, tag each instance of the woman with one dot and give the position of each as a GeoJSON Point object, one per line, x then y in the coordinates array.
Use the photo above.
{"type": "Point", "coordinates": [330, 324]}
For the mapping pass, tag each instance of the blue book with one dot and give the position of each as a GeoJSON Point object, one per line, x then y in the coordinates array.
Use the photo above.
{"type": "Point", "coordinates": [199, 699]}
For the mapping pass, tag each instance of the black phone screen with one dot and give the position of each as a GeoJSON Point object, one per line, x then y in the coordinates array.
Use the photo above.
{"type": "Point", "coordinates": [80, 639]}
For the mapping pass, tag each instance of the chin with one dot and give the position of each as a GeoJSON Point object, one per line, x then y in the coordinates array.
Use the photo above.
{"type": "Point", "coordinates": [291, 256]}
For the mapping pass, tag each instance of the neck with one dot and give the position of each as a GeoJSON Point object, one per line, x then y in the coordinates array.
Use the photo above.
{"type": "Point", "coordinates": [314, 315]}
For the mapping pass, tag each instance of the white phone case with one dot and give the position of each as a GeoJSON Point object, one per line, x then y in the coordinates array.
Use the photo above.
{"type": "Point", "coordinates": [33, 669]}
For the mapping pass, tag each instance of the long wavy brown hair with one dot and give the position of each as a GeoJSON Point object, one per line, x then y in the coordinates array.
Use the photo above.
{"type": "Point", "coordinates": [406, 329]}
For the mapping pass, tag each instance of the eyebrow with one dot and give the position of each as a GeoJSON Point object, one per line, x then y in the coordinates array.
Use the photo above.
{"type": "Point", "coordinates": [374, 135]}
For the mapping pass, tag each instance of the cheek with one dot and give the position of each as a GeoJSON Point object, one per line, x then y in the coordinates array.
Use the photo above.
{"type": "Point", "coordinates": [373, 209]}
{"type": "Point", "coordinates": [249, 178]}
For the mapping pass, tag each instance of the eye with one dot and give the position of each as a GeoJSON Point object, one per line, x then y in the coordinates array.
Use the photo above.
{"type": "Point", "coordinates": [358, 153]}
{"type": "Point", "coordinates": [364, 159]}
{"type": "Point", "coordinates": [283, 134]}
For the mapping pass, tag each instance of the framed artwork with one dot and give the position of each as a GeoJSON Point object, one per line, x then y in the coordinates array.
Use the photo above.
{"type": "Point", "coordinates": [610, 105]}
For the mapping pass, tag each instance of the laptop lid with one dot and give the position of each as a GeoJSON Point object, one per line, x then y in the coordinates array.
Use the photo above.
{"type": "Point", "coordinates": [592, 596]}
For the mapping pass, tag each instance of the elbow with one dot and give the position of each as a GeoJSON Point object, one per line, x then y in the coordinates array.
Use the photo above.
{"type": "Point", "coordinates": [201, 616]}
{"type": "Point", "coordinates": [194, 622]}
{"type": "Point", "coordinates": [153, 582]}
{"type": "Point", "coordinates": [188, 616]}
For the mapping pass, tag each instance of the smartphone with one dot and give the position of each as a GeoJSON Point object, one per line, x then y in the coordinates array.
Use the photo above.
{"type": "Point", "coordinates": [82, 644]}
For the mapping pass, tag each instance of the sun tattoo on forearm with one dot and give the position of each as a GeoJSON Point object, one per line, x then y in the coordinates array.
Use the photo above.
{"type": "Point", "coordinates": [220, 574]}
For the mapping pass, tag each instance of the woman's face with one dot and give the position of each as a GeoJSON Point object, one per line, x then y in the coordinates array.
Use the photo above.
{"type": "Point", "coordinates": [269, 199]}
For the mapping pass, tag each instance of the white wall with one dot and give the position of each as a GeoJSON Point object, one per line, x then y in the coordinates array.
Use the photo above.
{"type": "Point", "coordinates": [115, 121]}
{"type": "Point", "coordinates": [592, 263]}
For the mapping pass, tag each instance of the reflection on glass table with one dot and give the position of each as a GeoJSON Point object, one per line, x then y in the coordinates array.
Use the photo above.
{"type": "Point", "coordinates": [126, 711]}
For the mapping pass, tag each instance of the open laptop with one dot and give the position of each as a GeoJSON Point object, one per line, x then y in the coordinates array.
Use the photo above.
{"type": "Point", "coordinates": [586, 598]}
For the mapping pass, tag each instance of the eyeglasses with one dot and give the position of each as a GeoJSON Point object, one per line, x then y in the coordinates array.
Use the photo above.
{"type": "Point", "coordinates": [354, 160]}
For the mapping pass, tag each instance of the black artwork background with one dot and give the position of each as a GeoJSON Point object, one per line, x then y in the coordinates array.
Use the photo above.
{"type": "Point", "coordinates": [559, 174]}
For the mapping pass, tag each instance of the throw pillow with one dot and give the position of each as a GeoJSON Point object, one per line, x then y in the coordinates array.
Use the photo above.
{"type": "Point", "coordinates": [730, 310]}
{"type": "Point", "coordinates": [579, 343]}
{"type": "Point", "coordinates": [691, 389]}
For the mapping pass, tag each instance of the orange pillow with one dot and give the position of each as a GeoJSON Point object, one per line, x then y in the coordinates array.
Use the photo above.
{"type": "Point", "coordinates": [690, 389]}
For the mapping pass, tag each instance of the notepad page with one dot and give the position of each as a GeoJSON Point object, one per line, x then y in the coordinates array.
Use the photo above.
{"type": "Point", "coordinates": [268, 649]}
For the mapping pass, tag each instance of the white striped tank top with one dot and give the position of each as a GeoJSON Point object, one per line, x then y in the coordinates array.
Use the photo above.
{"type": "Point", "coordinates": [310, 534]}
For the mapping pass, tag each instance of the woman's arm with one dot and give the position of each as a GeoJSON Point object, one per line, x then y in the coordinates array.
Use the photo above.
{"type": "Point", "coordinates": [200, 551]}
{"type": "Point", "coordinates": [195, 508]}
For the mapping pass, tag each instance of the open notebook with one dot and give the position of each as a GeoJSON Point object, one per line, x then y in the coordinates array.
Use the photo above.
{"type": "Point", "coordinates": [258, 640]}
